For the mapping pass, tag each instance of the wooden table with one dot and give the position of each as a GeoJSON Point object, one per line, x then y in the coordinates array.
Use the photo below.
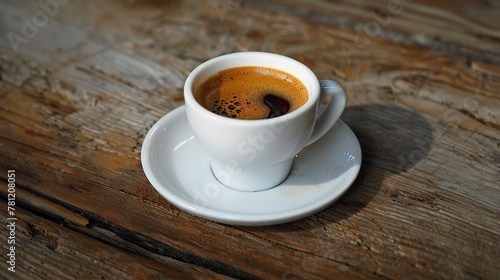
{"type": "Point", "coordinates": [82, 82]}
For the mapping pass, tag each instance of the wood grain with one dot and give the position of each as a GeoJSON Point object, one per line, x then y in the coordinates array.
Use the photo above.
{"type": "Point", "coordinates": [47, 250]}
{"type": "Point", "coordinates": [79, 96]}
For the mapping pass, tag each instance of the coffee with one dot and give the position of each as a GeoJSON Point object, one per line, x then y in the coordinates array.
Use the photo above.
{"type": "Point", "coordinates": [252, 93]}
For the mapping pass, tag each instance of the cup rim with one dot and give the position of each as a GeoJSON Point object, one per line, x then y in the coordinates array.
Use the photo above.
{"type": "Point", "coordinates": [308, 74]}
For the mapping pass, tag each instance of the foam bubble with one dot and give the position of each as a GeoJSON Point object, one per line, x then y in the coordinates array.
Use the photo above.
{"type": "Point", "coordinates": [240, 92]}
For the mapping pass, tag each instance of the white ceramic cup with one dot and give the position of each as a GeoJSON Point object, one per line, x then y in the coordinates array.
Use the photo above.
{"type": "Point", "coordinates": [255, 155]}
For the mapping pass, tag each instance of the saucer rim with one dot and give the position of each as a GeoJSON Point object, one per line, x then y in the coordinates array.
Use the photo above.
{"type": "Point", "coordinates": [239, 218]}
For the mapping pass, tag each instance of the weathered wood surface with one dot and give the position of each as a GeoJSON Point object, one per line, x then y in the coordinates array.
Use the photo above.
{"type": "Point", "coordinates": [81, 87]}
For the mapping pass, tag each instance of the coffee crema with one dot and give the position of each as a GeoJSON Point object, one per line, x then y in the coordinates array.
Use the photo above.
{"type": "Point", "coordinates": [252, 93]}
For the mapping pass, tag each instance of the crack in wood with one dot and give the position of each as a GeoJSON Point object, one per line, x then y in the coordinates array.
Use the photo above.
{"type": "Point", "coordinates": [132, 240]}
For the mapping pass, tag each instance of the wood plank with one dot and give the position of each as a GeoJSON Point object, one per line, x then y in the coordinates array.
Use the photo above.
{"type": "Point", "coordinates": [464, 29]}
{"type": "Point", "coordinates": [46, 250]}
{"type": "Point", "coordinates": [423, 102]}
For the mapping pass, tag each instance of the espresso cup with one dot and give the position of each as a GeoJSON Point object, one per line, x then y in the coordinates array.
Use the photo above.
{"type": "Point", "coordinates": [255, 155]}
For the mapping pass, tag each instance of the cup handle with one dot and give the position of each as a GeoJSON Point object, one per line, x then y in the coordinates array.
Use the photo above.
{"type": "Point", "coordinates": [328, 114]}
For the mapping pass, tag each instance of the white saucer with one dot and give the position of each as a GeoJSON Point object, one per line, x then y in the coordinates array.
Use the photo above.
{"type": "Point", "coordinates": [179, 170]}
